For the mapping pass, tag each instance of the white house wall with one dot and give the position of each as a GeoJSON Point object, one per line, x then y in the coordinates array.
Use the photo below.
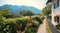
{"type": "Point", "coordinates": [53, 14]}
{"type": "Point", "coordinates": [57, 10]}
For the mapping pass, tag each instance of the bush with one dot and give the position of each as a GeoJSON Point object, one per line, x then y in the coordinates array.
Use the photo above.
{"type": "Point", "coordinates": [38, 19]}
{"type": "Point", "coordinates": [22, 22]}
{"type": "Point", "coordinates": [18, 24]}
{"type": "Point", "coordinates": [33, 28]}
{"type": "Point", "coordinates": [2, 18]}
{"type": "Point", "coordinates": [7, 26]}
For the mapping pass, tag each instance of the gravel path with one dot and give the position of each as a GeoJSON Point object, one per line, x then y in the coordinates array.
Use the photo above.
{"type": "Point", "coordinates": [42, 27]}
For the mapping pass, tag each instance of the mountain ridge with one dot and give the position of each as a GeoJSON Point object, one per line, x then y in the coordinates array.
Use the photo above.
{"type": "Point", "coordinates": [16, 9]}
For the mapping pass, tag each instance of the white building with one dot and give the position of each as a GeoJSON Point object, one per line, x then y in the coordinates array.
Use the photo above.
{"type": "Point", "coordinates": [55, 11]}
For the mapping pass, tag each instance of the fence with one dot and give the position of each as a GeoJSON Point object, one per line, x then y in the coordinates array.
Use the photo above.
{"type": "Point", "coordinates": [53, 28]}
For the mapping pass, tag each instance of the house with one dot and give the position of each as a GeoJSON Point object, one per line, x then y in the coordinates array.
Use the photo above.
{"type": "Point", "coordinates": [55, 11]}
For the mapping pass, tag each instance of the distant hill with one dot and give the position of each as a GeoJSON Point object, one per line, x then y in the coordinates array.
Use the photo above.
{"type": "Point", "coordinates": [16, 9]}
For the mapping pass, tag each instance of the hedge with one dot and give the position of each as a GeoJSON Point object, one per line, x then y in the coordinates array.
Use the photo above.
{"type": "Point", "coordinates": [18, 24]}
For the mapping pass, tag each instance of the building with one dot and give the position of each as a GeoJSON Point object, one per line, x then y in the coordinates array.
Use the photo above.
{"type": "Point", "coordinates": [55, 11]}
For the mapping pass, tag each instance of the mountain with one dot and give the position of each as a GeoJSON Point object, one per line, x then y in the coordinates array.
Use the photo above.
{"type": "Point", "coordinates": [16, 9]}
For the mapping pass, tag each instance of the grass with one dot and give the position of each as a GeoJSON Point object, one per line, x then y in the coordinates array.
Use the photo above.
{"type": "Point", "coordinates": [48, 28]}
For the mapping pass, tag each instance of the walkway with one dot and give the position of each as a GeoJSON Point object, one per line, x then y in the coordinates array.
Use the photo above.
{"type": "Point", "coordinates": [42, 28]}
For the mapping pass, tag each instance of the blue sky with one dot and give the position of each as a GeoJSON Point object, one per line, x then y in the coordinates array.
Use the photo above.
{"type": "Point", "coordinates": [40, 4]}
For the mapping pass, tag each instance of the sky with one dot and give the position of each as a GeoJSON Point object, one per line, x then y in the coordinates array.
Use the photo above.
{"type": "Point", "coordinates": [40, 4]}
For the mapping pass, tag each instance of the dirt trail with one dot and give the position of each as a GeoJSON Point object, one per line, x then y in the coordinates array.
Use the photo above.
{"type": "Point", "coordinates": [42, 27]}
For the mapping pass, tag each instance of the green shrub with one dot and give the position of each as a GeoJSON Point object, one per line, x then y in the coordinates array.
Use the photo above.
{"type": "Point", "coordinates": [2, 18]}
{"type": "Point", "coordinates": [22, 22]}
{"type": "Point", "coordinates": [35, 24]}
{"type": "Point", "coordinates": [18, 24]}
{"type": "Point", "coordinates": [33, 28]}
{"type": "Point", "coordinates": [7, 26]}
{"type": "Point", "coordinates": [38, 19]}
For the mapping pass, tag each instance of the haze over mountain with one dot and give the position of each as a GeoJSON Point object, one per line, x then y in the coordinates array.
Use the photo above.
{"type": "Point", "coordinates": [16, 9]}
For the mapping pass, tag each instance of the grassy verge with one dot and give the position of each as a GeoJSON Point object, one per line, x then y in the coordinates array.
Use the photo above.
{"type": "Point", "coordinates": [48, 28]}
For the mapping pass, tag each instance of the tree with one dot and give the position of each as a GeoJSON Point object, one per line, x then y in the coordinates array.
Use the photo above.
{"type": "Point", "coordinates": [26, 13]}
{"type": "Point", "coordinates": [47, 10]}
{"type": "Point", "coordinates": [4, 12]}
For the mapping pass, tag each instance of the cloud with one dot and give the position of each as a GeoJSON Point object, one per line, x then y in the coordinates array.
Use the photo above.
{"type": "Point", "coordinates": [35, 3]}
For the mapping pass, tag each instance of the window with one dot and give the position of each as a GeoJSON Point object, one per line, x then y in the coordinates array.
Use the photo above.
{"type": "Point", "coordinates": [58, 3]}
{"type": "Point", "coordinates": [56, 19]}
{"type": "Point", "coordinates": [54, 5]}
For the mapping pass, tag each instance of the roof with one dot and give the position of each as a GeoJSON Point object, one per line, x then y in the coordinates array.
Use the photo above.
{"type": "Point", "coordinates": [48, 1]}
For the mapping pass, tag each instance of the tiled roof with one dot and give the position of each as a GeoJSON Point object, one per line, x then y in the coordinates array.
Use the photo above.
{"type": "Point", "coordinates": [48, 1]}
